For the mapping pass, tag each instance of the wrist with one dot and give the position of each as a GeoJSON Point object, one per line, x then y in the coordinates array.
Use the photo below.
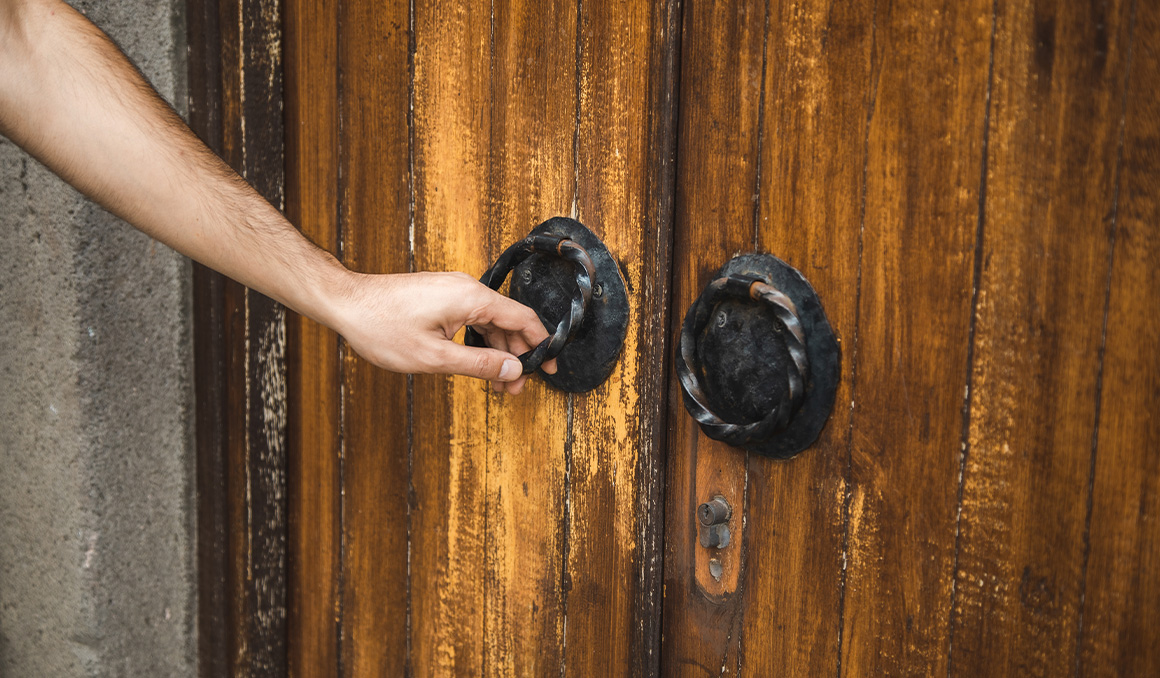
{"type": "Point", "coordinates": [327, 297]}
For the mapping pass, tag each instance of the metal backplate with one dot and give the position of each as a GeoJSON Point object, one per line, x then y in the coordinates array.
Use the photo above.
{"type": "Point", "coordinates": [743, 357]}
{"type": "Point", "coordinates": [547, 284]}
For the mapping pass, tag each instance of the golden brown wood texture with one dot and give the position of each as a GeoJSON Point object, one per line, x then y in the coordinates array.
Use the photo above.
{"type": "Point", "coordinates": [902, 155]}
{"type": "Point", "coordinates": [532, 177]}
{"type": "Point", "coordinates": [624, 136]}
{"type": "Point", "coordinates": [923, 177]}
{"type": "Point", "coordinates": [1121, 601]}
{"type": "Point", "coordinates": [470, 520]}
{"type": "Point", "coordinates": [375, 214]}
{"type": "Point", "coordinates": [836, 160]}
{"type": "Point", "coordinates": [1054, 133]}
{"type": "Point", "coordinates": [313, 390]}
{"type": "Point", "coordinates": [452, 84]}
{"type": "Point", "coordinates": [817, 101]}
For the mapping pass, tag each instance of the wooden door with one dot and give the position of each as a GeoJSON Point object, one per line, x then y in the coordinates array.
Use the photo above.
{"type": "Point", "coordinates": [449, 529]}
{"type": "Point", "coordinates": [971, 188]}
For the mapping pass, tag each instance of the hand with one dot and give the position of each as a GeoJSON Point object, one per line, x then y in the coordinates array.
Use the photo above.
{"type": "Point", "coordinates": [405, 323]}
{"type": "Point", "coordinates": [113, 138]}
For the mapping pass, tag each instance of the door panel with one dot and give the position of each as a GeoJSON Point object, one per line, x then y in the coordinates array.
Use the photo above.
{"type": "Point", "coordinates": [374, 208]}
{"type": "Point", "coordinates": [314, 378]}
{"type": "Point", "coordinates": [449, 458]}
{"type": "Point", "coordinates": [969, 186]}
{"type": "Point", "coordinates": [923, 184]}
{"type": "Point", "coordinates": [1120, 600]}
{"type": "Point", "coordinates": [1054, 130]}
{"type": "Point", "coordinates": [771, 144]}
{"type": "Point", "coordinates": [837, 140]}
{"type": "Point", "coordinates": [947, 178]}
{"type": "Point", "coordinates": [480, 533]}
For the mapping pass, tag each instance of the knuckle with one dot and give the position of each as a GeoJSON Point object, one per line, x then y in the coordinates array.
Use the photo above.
{"type": "Point", "coordinates": [482, 365]}
{"type": "Point", "coordinates": [430, 361]}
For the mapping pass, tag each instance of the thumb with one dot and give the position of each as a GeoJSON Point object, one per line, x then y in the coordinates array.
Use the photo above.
{"type": "Point", "coordinates": [482, 363]}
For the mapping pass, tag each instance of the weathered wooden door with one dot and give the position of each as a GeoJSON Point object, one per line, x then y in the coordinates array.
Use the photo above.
{"type": "Point", "coordinates": [971, 187]}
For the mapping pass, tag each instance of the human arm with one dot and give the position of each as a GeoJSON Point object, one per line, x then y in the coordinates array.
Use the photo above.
{"type": "Point", "coordinates": [71, 99]}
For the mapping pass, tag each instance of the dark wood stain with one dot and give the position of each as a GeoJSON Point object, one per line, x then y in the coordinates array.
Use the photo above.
{"type": "Point", "coordinates": [241, 448]}
{"type": "Point", "coordinates": [213, 631]}
{"type": "Point", "coordinates": [1034, 373]}
{"type": "Point", "coordinates": [1121, 608]}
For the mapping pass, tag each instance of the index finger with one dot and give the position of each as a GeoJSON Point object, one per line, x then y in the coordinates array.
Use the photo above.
{"type": "Point", "coordinates": [511, 316]}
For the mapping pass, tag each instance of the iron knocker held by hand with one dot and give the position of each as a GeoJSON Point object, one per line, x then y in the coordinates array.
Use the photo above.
{"type": "Point", "coordinates": [566, 274]}
{"type": "Point", "coordinates": [515, 255]}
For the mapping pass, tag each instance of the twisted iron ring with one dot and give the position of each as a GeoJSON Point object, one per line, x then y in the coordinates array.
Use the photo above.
{"type": "Point", "coordinates": [513, 256]}
{"type": "Point", "coordinates": [797, 373]}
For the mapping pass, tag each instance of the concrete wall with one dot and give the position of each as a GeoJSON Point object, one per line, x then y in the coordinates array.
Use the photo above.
{"type": "Point", "coordinates": [96, 404]}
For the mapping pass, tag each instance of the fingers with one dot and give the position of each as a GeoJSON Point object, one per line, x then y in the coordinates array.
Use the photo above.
{"type": "Point", "coordinates": [482, 363]}
{"type": "Point", "coordinates": [517, 346]}
{"type": "Point", "coordinates": [498, 341]}
{"type": "Point", "coordinates": [516, 320]}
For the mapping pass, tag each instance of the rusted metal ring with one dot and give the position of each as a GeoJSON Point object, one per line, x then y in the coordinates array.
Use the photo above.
{"type": "Point", "coordinates": [737, 286]}
{"type": "Point", "coordinates": [566, 249]}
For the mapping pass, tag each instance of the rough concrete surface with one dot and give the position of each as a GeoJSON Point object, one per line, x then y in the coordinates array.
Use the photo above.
{"type": "Point", "coordinates": [96, 404]}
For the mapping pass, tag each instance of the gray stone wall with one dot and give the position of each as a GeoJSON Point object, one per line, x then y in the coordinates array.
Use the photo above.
{"type": "Point", "coordinates": [96, 414]}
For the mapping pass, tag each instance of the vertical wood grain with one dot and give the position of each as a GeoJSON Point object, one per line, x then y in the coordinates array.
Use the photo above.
{"type": "Point", "coordinates": [817, 105]}
{"type": "Point", "coordinates": [1121, 601]}
{"type": "Point", "coordinates": [254, 336]}
{"type": "Point", "coordinates": [209, 360]}
{"type": "Point", "coordinates": [924, 162]}
{"type": "Point", "coordinates": [375, 198]}
{"type": "Point", "coordinates": [532, 177]}
{"type": "Point", "coordinates": [794, 111]}
{"type": "Point", "coordinates": [722, 54]}
{"type": "Point", "coordinates": [901, 154]}
{"type": "Point", "coordinates": [314, 389]}
{"type": "Point", "coordinates": [1054, 135]}
{"type": "Point", "coordinates": [610, 568]}
{"type": "Point", "coordinates": [452, 84]}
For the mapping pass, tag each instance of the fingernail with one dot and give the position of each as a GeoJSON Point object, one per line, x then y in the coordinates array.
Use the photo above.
{"type": "Point", "coordinates": [511, 370]}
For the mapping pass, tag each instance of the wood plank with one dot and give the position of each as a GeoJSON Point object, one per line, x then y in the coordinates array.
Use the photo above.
{"type": "Point", "coordinates": [722, 55]}
{"type": "Point", "coordinates": [532, 177]}
{"type": "Point", "coordinates": [1121, 608]}
{"type": "Point", "coordinates": [1053, 140]}
{"type": "Point", "coordinates": [923, 174]}
{"type": "Point", "coordinates": [314, 389]}
{"type": "Point", "coordinates": [806, 207]}
{"type": "Point", "coordinates": [252, 143]}
{"type": "Point", "coordinates": [209, 360]}
{"type": "Point", "coordinates": [375, 199]}
{"type": "Point", "coordinates": [614, 512]}
{"type": "Point", "coordinates": [452, 87]}
{"type": "Point", "coordinates": [816, 112]}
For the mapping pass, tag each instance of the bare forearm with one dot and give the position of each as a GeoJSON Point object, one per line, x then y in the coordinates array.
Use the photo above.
{"type": "Point", "coordinates": [71, 99]}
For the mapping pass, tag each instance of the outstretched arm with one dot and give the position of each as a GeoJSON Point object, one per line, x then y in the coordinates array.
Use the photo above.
{"type": "Point", "coordinates": [70, 98]}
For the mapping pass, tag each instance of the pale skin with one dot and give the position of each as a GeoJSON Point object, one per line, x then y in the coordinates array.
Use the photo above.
{"type": "Point", "coordinates": [72, 100]}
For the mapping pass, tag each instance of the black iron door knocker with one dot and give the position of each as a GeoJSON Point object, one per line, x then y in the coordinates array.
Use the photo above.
{"type": "Point", "coordinates": [757, 359]}
{"type": "Point", "coordinates": [569, 278]}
